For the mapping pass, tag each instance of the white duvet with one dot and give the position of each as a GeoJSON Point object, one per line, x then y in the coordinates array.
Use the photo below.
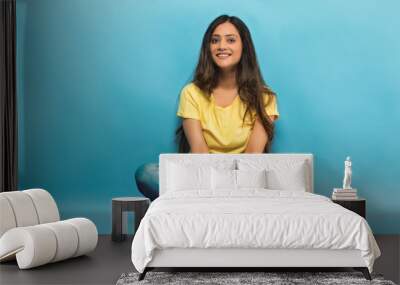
{"type": "Point", "coordinates": [251, 218]}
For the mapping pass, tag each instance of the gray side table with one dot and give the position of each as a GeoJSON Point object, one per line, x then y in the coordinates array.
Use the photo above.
{"type": "Point", "coordinates": [137, 205]}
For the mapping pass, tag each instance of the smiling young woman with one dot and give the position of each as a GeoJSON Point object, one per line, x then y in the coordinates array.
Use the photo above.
{"type": "Point", "coordinates": [227, 108]}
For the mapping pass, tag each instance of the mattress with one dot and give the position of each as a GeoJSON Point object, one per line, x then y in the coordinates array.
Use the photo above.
{"type": "Point", "coordinates": [251, 219]}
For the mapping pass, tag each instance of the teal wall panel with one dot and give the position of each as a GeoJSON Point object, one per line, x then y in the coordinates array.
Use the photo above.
{"type": "Point", "coordinates": [98, 84]}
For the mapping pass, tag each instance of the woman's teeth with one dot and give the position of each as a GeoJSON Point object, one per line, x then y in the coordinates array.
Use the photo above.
{"type": "Point", "coordinates": [223, 55]}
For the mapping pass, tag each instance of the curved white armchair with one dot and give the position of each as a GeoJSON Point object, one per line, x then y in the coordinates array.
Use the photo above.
{"type": "Point", "coordinates": [31, 230]}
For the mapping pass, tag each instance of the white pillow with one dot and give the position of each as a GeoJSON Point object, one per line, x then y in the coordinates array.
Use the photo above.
{"type": "Point", "coordinates": [181, 177]}
{"type": "Point", "coordinates": [281, 174]}
{"type": "Point", "coordinates": [251, 178]}
{"type": "Point", "coordinates": [293, 179]}
{"type": "Point", "coordinates": [235, 179]}
{"type": "Point", "coordinates": [223, 179]}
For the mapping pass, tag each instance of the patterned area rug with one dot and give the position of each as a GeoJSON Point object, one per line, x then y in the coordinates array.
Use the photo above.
{"type": "Point", "coordinates": [244, 278]}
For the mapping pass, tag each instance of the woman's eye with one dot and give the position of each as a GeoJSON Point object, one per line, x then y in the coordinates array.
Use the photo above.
{"type": "Point", "coordinates": [214, 41]}
{"type": "Point", "coordinates": [231, 41]}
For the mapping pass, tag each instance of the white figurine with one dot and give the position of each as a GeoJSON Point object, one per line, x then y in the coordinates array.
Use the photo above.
{"type": "Point", "coordinates": [347, 174]}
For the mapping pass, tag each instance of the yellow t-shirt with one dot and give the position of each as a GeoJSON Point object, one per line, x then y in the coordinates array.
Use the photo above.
{"type": "Point", "coordinates": [223, 128]}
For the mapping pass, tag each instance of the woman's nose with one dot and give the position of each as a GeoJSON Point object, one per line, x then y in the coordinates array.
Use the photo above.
{"type": "Point", "coordinates": [222, 45]}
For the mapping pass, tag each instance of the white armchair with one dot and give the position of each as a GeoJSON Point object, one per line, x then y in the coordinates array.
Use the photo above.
{"type": "Point", "coordinates": [31, 230]}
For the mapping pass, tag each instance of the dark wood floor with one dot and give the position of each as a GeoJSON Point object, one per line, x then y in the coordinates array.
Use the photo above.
{"type": "Point", "coordinates": [110, 260]}
{"type": "Point", "coordinates": [102, 266]}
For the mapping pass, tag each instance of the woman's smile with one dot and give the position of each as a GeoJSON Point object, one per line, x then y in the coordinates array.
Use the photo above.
{"type": "Point", "coordinates": [223, 55]}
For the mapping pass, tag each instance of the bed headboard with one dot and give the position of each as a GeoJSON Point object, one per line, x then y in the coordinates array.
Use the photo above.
{"type": "Point", "coordinates": [210, 158]}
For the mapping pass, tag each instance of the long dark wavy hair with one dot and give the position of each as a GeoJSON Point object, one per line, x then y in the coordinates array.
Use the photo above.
{"type": "Point", "coordinates": [251, 85]}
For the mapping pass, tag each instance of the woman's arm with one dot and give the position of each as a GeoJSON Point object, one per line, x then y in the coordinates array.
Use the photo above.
{"type": "Point", "coordinates": [258, 138]}
{"type": "Point", "coordinates": [194, 135]}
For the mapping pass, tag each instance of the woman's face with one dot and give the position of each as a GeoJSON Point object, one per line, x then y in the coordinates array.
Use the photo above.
{"type": "Point", "coordinates": [226, 46]}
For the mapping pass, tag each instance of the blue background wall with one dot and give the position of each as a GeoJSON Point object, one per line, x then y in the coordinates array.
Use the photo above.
{"type": "Point", "coordinates": [98, 84]}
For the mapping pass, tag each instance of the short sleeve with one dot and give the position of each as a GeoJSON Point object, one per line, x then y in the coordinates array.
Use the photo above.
{"type": "Point", "coordinates": [270, 105]}
{"type": "Point", "coordinates": [188, 106]}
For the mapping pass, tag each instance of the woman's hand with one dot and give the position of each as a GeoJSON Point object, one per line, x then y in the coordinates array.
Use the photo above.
{"type": "Point", "coordinates": [258, 138]}
{"type": "Point", "coordinates": [194, 135]}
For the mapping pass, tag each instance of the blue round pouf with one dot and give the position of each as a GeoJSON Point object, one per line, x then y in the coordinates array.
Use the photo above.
{"type": "Point", "coordinates": [146, 177]}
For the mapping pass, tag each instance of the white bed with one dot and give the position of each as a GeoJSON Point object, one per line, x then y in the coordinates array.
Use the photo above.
{"type": "Point", "coordinates": [214, 224]}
